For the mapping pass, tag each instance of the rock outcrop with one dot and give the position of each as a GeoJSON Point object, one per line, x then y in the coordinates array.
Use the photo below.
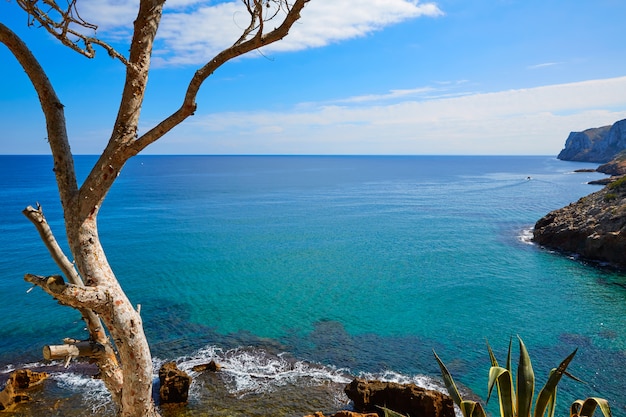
{"type": "Point", "coordinates": [174, 384]}
{"type": "Point", "coordinates": [406, 399]}
{"type": "Point", "coordinates": [19, 382]}
{"type": "Point", "coordinates": [599, 144]}
{"type": "Point", "coordinates": [617, 166]}
{"type": "Point", "coordinates": [594, 227]}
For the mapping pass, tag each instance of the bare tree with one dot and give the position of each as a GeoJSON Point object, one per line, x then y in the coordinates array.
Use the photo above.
{"type": "Point", "coordinates": [116, 338]}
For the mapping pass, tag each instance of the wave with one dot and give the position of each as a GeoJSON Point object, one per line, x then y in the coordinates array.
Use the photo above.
{"type": "Point", "coordinates": [526, 236]}
{"type": "Point", "coordinates": [251, 380]}
{"type": "Point", "coordinates": [254, 370]}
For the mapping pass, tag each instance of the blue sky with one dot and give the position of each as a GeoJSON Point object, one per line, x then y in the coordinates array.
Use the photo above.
{"type": "Point", "coordinates": [366, 77]}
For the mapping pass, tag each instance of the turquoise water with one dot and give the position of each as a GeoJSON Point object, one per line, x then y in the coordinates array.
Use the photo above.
{"type": "Point", "coordinates": [359, 265]}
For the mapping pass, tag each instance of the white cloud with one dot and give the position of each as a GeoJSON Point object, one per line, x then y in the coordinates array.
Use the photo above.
{"type": "Point", "coordinates": [193, 31]}
{"type": "Point", "coordinates": [524, 121]}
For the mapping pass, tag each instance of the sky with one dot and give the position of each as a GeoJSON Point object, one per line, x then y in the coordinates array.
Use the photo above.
{"type": "Point", "coordinates": [399, 77]}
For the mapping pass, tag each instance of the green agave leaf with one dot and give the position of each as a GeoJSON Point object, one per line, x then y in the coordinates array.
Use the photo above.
{"type": "Point", "coordinates": [508, 358]}
{"type": "Point", "coordinates": [574, 409]}
{"type": "Point", "coordinates": [389, 413]}
{"type": "Point", "coordinates": [472, 409]}
{"type": "Point", "coordinates": [502, 377]}
{"type": "Point", "coordinates": [590, 404]}
{"type": "Point", "coordinates": [547, 395]}
{"type": "Point", "coordinates": [449, 382]}
{"type": "Point", "coordinates": [492, 357]}
{"type": "Point", "coordinates": [525, 382]}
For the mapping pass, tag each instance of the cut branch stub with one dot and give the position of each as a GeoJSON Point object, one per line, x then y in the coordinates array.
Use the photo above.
{"type": "Point", "coordinates": [80, 349]}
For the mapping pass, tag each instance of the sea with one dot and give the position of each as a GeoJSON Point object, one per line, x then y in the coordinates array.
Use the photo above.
{"type": "Point", "coordinates": [299, 273]}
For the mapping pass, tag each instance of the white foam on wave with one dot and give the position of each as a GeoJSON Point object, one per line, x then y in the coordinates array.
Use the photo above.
{"type": "Point", "coordinates": [252, 370]}
{"type": "Point", "coordinates": [526, 236]}
{"type": "Point", "coordinates": [419, 380]}
{"type": "Point", "coordinates": [92, 391]}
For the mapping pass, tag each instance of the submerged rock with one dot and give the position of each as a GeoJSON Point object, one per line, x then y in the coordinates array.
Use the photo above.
{"type": "Point", "coordinates": [14, 390]}
{"type": "Point", "coordinates": [406, 399]}
{"type": "Point", "coordinates": [594, 227]}
{"type": "Point", "coordinates": [174, 384]}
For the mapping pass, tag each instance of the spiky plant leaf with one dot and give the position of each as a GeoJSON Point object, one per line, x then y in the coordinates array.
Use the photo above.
{"type": "Point", "coordinates": [525, 382]}
{"type": "Point", "coordinates": [472, 409]}
{"type": "Point", "coordinates": [449, 382]}
{"type": "Point", "coordinates": [590, 404]}
{"type": "Point", "coordinates": [547, 395]}
{"type": "Point", "coordinates": [502, 378]}
{"type": "Point", "coordinates": [508, 357]}
{"type": "Point", "coordinates": [574, 409]}
{"type": "Point", "coordinates": [492, 357]}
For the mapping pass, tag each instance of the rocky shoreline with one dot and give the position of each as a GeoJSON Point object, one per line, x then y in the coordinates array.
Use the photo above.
{"type": "Point", "coordinates": [594, 227]}
{"type": "Point", "coordinates": [363, 397]}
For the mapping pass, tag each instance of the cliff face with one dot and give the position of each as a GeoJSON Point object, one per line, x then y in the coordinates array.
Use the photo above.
{"type": "Point", "coordinates": [594, 227]}
{"type": "Point", "coordinates": [600, 144]}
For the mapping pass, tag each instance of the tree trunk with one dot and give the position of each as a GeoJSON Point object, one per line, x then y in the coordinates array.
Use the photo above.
{"type": "Point", "coordinates": [93, 288]}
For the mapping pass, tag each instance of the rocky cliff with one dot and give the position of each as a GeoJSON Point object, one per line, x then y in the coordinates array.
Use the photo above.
{"type": "Point", "coordinates": [599, 144]}
{"type": "Point", "coordinates": [594, 227]}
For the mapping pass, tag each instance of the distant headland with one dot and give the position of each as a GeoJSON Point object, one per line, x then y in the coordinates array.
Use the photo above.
{"type": "Point", "coordinates": [605, 145]}
{"type": "Point", "coordinates": [594, 227]}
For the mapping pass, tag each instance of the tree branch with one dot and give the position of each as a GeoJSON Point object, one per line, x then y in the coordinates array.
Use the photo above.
{"type": "Point", "coordinates": [69, 294]}
{"type": "Point", "coordinates": [117, 151]}
{"type": "Point", "coordinates": [63, 29]}
{"type": "Point", "coordinates": [240, 47]}
{"type": "Point", "coordinates": [37, 218]}
{"type": "Point", "coordinates": [53, 112]}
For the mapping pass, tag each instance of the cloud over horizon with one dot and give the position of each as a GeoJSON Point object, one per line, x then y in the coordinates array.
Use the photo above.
{"type": "Point", "coordinates": [193, 31]}
{"type": "Point", "coordinates": [535, 119]}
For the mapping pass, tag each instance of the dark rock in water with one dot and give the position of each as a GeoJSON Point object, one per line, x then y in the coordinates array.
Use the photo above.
{"type": "Point", "coordinates": [19, 381]}
{"type": "Point", "coordinates": [594, 227]}
{"type": "Point", "coordinates": [407, 399]}
{"type": "Point", "coordinates": [211, 366]}
{"type": "Point", "coordinates": [174, 384]}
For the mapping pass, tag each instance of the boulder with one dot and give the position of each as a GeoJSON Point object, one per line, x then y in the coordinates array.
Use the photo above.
{"type": "Point", "coordinates": [14, 390]}
{"type": "Point", "coordinates": [211, 367]}
{"type": "Point", "coordinates": [174, 384]}
{"type": "Point", "coordinates": [406, 399]}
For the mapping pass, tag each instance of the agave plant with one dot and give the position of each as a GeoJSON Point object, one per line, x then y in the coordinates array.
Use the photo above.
{"type": "Point", "coordinates": [517, 400]}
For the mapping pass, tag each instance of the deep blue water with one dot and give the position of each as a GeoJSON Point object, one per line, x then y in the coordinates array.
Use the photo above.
{"type": "Point", "coordinates": [362, 265]}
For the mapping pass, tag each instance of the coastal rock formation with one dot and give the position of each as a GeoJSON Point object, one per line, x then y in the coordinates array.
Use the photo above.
{"type": "Point", "coordinates": [594, 227]}
{"type": "Point", "coordinates": [600, 144]}
{"type": "Point", "coordinates": [174, 384]}
{"type": "Point", "coordinates": [14, 390]}
{"type": "Point", "coordinates": [617, 166]}
{"type": "Point", "coordinates": [406, 399]}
